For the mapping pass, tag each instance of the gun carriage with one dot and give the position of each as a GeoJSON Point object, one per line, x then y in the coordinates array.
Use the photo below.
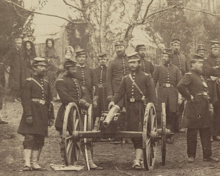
{"type": "Point", "coordinates": [77, 129]}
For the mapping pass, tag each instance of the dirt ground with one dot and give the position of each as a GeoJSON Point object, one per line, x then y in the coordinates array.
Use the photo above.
{"type": "Point", "coordinates": [115, 159]}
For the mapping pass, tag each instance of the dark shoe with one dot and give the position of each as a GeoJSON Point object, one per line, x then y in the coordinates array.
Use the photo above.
{"type": "Point", "coordinates": [97, 168]}
{"type": "Point", "coordinates": [27, 168]}
{"type": "Point", "coordinates": [191, 160]}
{"type": "Point", "coordinates": [211, 158]}
{"type": "Point", "coordinates": [216, 138]}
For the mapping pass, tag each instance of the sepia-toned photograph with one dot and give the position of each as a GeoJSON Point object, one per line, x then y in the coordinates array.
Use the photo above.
{"type": "Point", "coordinates": [109, 87]}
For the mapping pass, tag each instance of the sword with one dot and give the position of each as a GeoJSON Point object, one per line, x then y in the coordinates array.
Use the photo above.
{"type": "Point", "coordinates": [85, 141]}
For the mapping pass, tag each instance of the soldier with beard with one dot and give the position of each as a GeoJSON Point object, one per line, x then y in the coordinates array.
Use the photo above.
{"type": "Point", "coordinates": [146, 66]}
{"type": "Point", "coordinates": [70, 90]}
{"type": "Point", "coordinates": [168, 76]}
{"type": "Point", "coordinates": [136, 87]}
{"type": "Point", "coordinates": [37, 114]}
{"type": "Point", "coordinates": [212, 74]}
{"type": "Point", "coordinates": [197, 111]}
{"type": "Point", "coordinates": [117, 69]}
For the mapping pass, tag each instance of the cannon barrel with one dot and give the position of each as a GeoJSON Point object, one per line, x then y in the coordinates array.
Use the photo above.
{"type": "Point", "coordinates": [111, 114]}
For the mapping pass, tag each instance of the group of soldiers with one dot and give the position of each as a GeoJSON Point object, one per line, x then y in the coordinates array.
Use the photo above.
{"type": "Point", "coordinates": [187, 87]}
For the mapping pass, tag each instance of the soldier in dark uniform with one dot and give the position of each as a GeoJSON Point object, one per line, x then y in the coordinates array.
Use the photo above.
{"type": "Point", "coordinates": [135, 101]}
{"type": "Point", "coordinates": [167, 76]}
{"type": "Point", "coordinates": [70, 90]}
{"type": "Point", "coordinates": [146, 66]}
{"type": "Point", "coordinates": [87, 78]}
{"type": "Point", "coordinates": [197, 111]}
{"type": "Point", "coordinates": [37, 114]}
{"type": "Point", "coordinates": [117, 69]}
{"type": "Point", "coordinates": [101, 76]}
{"type": "Point", "coordinates": [212, 74]}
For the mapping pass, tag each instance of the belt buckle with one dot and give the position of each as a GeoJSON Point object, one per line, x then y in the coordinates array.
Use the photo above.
{"type": "Point", "coordinates": [167, 85]}
{"type": "Point", "coordinates": [132, 100]}
{"type": "Point", "coordinates": [100, 85]}
{"type": "Point", "coordinates": [42, 102]}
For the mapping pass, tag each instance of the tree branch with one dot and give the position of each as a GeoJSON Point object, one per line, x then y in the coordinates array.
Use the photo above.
{"type": "Point", "coordinates": [56, 16]}
{"type": "Point", "coordinates": [77, 8]}
{"type": "Point", "coordinates": [146, 12]}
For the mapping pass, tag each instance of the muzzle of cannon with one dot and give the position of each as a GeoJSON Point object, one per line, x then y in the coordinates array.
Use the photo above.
{"type": "Point", "coordinates": [114, 111]}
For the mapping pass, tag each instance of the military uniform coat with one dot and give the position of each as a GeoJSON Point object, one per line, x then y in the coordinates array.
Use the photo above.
{"type": "Point", "coordinates": [196, 113]}
{"type": "Point", "coordinates": [135, 110]}
{"type": "Point", "coordinates": [102, 93]}
{"type": "Point", "coordinates": [88, 81]}
{"type": "Point", "coordinates": [39, 89]}
{"type": "Point", "coordinates": [169, 95]}
{"type": "Point", "coordinates": [117, 69]}
{"type": "Point", "coordinates": [147, 66]}
{"type": "Point", "coordinates": [180, 61]}
{"type": "Point", "coordinates": [214, 88]}
{"type": "Point", "coordinates": [69, 90]}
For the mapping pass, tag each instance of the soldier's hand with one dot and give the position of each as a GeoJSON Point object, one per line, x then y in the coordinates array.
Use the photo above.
{"type": "Point", "coordinates": [95, 104]}
{"type": "Point", "coordinates": [192, 98]}
{"type": "Point", "coordinates": [109, 98]}
{"type": "Point", "coordinates": [180, 101]}
{"type": "Point", "coordinates": [51, 122]}
{"type": "Point", "coordinates": [110, 105]}
{"type": "Point", "coordinates": [84, 103]}
{"type": "Point", "coordinates": [29, 120]}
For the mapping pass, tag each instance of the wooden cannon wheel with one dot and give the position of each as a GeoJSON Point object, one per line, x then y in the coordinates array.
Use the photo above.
{"type": "Point", "coordinates": [149, 144]}
{"type": "Point", "coordinates": [163, 135]}
{"type": "Point", "coordinates": [71, 122]}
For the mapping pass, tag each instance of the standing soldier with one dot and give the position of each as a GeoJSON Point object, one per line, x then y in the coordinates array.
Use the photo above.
{"type": "Point", "coordinates": [212, 74]}
{"type": "Point", "coordinates": [180, 61]}
{"type": "Point", "coordinates": [168, 76]}
{"type": "Point", "coordinates": [117, 69]}
{"type": "Point", "coordinates": [37, 114]}
{"type": "Point", "coordinates": [86, 77]}
{"type": "Point", "coordinates": [137, 87]}
{"type": "Point", "coordinates": [197, 110]}
{"type": "Point", "coordinates": [146, 66]}
{"type": "Point", "coordinates": [70, 90]}
{"type": "Point", "coordinates": [101, 75]}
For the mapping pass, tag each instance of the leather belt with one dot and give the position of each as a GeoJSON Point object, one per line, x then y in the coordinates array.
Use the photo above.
{"type": "Point", "coordinates": [43, 102]}
{"type": "Point", "coordinates": [166, 85]}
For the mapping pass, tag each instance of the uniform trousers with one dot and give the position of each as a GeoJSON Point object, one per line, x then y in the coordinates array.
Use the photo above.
{"type": "Point", "coordinates": [216, 119]}
{"type": "Point", "coordinates": [205, 136]}
{"type": "Point", "coordinates": [33, 142]}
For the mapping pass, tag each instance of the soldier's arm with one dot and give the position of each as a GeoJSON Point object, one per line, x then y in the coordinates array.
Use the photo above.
{"type": "Point", "coordinates": [209, 70]}
{"type": "Point", "coordinates": [109, 79]}
{"type": "Point", "coordinates": [63, 93]}
{"type": "Point", "coordinates": [51, 107]}
{"type": "Point", "coordinates": [156, 75]}
{"type": "Point", "coordinates": [26, 99]}
{"type": "Point", "coordinates": [151, 68]}
{"type": "Point", "coordinates": [151, 90]}
{"type": "Point", "coordinates": [182, 86]}
{"type": "Point", "coordinates": [178, 75]}
{"type": "Point", "coordinates": [120, 93]}
{"type": "Point", "coordinates": [94, 82]}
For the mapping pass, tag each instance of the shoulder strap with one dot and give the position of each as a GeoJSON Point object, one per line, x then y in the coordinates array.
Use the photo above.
{"type": "Point", "coordinates": [138, 88]}
{"type": "Point", "coordinates": [38, 83]}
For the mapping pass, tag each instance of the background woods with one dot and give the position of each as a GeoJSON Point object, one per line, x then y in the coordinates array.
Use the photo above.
{"type": "Point", "coordinates": [96, 24]}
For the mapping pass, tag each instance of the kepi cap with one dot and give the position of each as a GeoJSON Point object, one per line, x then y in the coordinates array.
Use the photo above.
{"type": "Point", "coordinates": [197, 57]}
{"type": "Point", "coordinates": [80, 52]}
{"type": "Point", "coordinates": [39, 61]}
{"type": "Point", "coordinates": [120, 43]}
{"type": "Point", "coordinates": [214, 44]}
{"type": "Point", "coordinates": [138, 47]}
{"type": "Point", "coordinates": [133, 57]}
{"type": "Point", "coordinates": [102, 54]}
{"type": "Point", "coordinates": [175, 40]}
{"type": "Point", "coordinates": [168, 51]}
{"type": "Point", "coordinates": [69, 63]}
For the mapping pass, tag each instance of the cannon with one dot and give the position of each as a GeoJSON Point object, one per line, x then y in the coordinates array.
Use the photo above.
{"type": "Point", "coordinates": [76, 129]}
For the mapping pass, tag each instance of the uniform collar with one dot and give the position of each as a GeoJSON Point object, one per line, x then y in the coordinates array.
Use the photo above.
{"type": "Point", "coordinates": [81, 66]}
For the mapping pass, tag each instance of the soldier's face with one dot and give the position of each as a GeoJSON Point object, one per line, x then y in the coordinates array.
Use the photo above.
{"type": "Point", "coordinates": [28, 46]}
{"type": "Point", "coordinates": [18, 44]}
{"type": "Point", "coordinates": [166, 59]}
{"type": "Point", "coordinates": [81, 59]}
{"type": "Point", "coordinates": [198, 66]}
{"type": "Point", "coordinates": [176, 47]}
{"type": "Point", "coordinates": [133, 65]}
{"type": "Point", "coordinates": [142, 52]}
{"type": "Point", "coordinates": [103, 60]}
{"type": "Point", "coordinates": [215, 51]}
{"type": "Point", "coordinates": [201, 52]}
{"type": "Point", "coordinates": [40, 70]}
{"type": "Point", "coordinates": [72, 71]}
{"type": "Point", "coordinates": [120, 50]}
